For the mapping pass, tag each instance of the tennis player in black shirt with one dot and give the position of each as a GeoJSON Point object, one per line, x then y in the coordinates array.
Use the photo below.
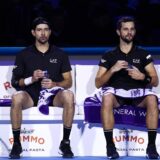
{"type": "Point", "coordinates": [27, 78]}
{"type": "Point", "coordinates": [125, 76]}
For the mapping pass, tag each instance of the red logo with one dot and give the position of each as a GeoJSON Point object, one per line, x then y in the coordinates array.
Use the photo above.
{"type": "Point", "coordinates": [7, 85]}
{"type": "Point", "coordinates": [136, 139]}
{"type": "Point", "coordinates": [28, 138]}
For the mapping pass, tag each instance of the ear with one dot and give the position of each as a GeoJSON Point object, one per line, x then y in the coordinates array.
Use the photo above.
{"type": "Point", "coordinates": [118, 32]}
{"type": "Point", "coordinates": [32, 32]}
{"type": "Point", "coordinates": [50, 32]}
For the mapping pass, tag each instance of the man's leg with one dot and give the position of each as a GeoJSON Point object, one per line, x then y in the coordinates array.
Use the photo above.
{"type": "Point", "coordinates": [107, 117]}
{"type": "Point", "coordinates": [65, 99]}
{"type": "Point", "coordinates": [150, 102]}
{"type": "Point", "coordinates": [20, 100]}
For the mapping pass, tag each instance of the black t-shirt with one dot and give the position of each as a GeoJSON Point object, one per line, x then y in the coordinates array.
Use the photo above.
{"type": "Point", "coordinates": [55, 61]}
{"type": "Point", "coordinates": [137, 57]}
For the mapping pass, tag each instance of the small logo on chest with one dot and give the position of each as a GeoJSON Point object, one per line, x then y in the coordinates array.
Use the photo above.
{"type": "Point", "coordinates": [136, 60]}
{"type": "Point", "coordinates": [53, 60]}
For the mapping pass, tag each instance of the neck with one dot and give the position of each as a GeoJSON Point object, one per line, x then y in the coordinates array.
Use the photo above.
{"type": "Point", "coordinates": [126, 47]}
{"type": "Point", "coordinates": [42, 47]}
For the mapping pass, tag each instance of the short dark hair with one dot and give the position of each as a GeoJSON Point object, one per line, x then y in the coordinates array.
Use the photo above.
{"type": "Point", "coordinates": [40, 20]}
{"type": "Point", "coordinates": [124, 19]}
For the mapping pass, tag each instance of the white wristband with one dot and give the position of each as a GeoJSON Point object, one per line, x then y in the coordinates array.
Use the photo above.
{"type": "Point", "coordinates": [28, 81]}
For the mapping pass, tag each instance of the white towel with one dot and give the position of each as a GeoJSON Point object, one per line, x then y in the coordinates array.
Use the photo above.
{"type": "Point", "coordinates": [45, 99]}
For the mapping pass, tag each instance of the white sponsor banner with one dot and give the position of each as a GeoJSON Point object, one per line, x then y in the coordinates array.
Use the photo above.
{"type": "Point", "coordinates": [5, 82]}
{"type": "Point", "coordinates": [119, 137]}
{"type": "Point", "coordinates": [37, 139]}
{"type": "Point", "coordinates": [137, 142]}
{"type": "Point", "coordinates": [86, 140]}
{"type": "Point", "coordinates": [43, 140]}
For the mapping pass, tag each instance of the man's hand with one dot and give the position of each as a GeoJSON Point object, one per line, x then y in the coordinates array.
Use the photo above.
{"type": "Point", "coordinates": [135, 73]}
{"type": "Point", "coordinates": [47, 83]}
{"type": "Point", "coordinates": [37, 74]}
{"type": "Point", "coordinates": [120, 64]}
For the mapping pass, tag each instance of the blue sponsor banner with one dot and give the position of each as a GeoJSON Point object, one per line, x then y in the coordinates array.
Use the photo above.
{"type": "Point", "coordinates": [128, 115]}
{"type": "Point", "coordinates": [78, 50]}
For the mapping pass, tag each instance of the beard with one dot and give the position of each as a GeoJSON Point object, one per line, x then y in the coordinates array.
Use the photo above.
{"type": "Point", "coordinates": [127, 40]}
{"type": "Point", "coordinates": [42, 40]}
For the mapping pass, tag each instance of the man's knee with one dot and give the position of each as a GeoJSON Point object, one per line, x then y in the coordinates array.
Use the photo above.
{"type": "Point", "coordinates": [152, 104]}
{"type": "Point", "coordinates": [68, 95]}
{"type": "Point", "coordinates": [68, 98]}
{"type": "Point", "coordinates": [151, 99]}
{"type": "Point", "coordinates": [17, 97]}
{"type": "Point", "coordinates": [109, 101]}
{"type": "Point", "coordinates": [108, 98]}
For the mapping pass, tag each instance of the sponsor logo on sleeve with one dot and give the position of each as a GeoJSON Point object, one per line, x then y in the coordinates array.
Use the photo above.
{"type": "Point", "coordinates": [148, 57]}
{"type": "Point", "coordinates": [103, 61]}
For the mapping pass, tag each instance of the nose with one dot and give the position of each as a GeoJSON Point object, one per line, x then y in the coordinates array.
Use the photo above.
{"type": "Point", "coordinates": [42, 32]}
{"type": "Point", "coordinates": [129, 31]}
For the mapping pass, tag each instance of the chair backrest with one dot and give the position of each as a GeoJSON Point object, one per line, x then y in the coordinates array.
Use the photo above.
{"type": "Point", "coordinates": [85, 82]}
{"type": "Point", "coordinates": [157, 89]}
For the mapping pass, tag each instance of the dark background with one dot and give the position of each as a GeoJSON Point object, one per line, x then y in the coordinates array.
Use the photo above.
{"type": "Point", "coordinates": [78, 22]}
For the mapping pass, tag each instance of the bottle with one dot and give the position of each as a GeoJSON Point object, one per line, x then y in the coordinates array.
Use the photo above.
{"type": "Point", "coordinates": [46, 76]}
